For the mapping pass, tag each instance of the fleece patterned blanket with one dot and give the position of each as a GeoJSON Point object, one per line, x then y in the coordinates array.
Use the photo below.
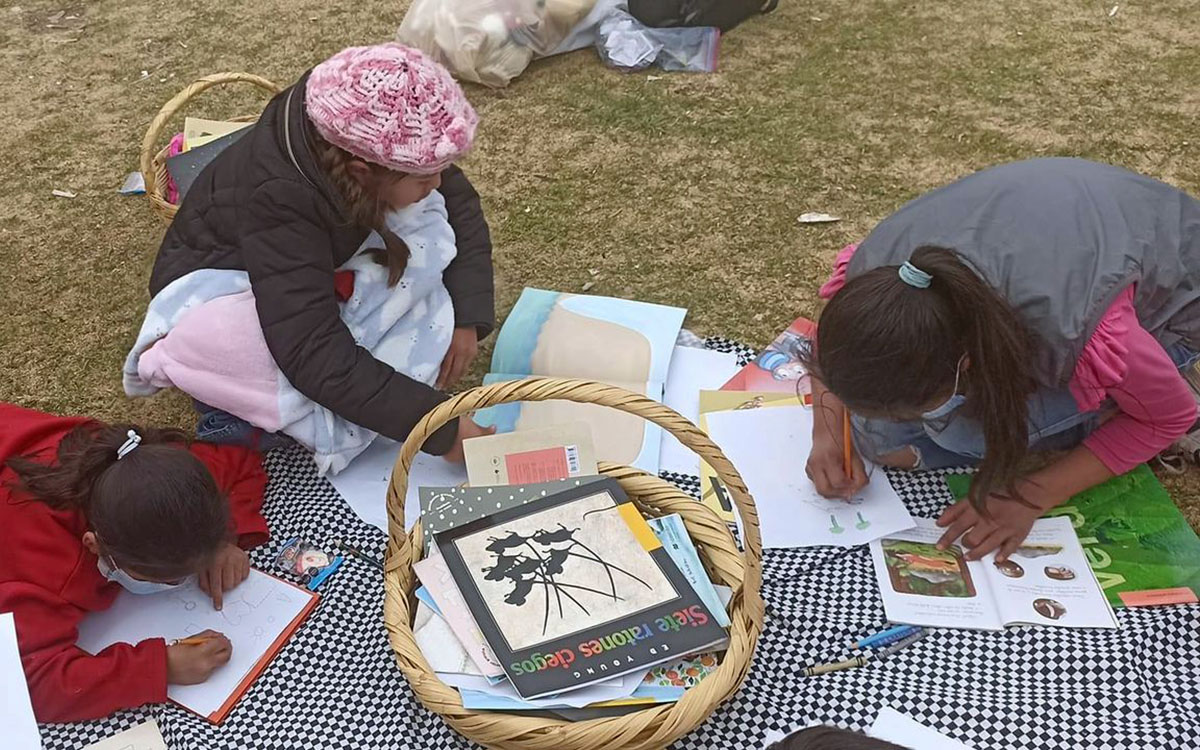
{"type": "Point", "coordinates": [201, 334]}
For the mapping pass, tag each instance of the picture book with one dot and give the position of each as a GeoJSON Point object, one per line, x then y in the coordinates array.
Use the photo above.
{"type": "Point", "coordinates": [16, 712]}
{"type": "Point", "coordinates": [574, 588]}
{"type": "Point", "coordinates": [1134, 536]}
{"type": "Point", "coordinates": [620, 342]}
{"type": "Point", "coordinates": [258, 617]}
{"type": "Point", "coordinates": [673, 534]}
{"type": "Point", "coordinates": [198, 131]}
{"type": "Point", "coordinates": [543, 455]}
{"type": "Point", "coordinates": [437, 580]}
{"type": "Point", "coordinates": [443, 508]}
{"type": "Point", "coordinates": [712, 493]}
{"type": "Point", "coordinates": [769, 448]}
{"type": "Point", "coordinates": [1045, 582]}
{"type": "Point", "coordinates": [144, 736]}
{"type": "Point", "coordinates": [438, 642]}
{"type": "Point", "coordinates": [692, 370]}
{"type": "Point", "coordinates": [185, 167]}
{"type": "Point", "coordinates": [778, 368]}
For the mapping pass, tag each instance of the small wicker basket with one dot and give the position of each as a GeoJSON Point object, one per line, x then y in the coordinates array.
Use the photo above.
{"type": "Point", "coordinates": [154, 157]}
{"type": "Point", "coordinates": [648, 729]}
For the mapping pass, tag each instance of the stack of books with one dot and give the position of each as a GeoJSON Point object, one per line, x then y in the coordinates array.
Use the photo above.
{"type": "Point", "coordinates": [561, 596]}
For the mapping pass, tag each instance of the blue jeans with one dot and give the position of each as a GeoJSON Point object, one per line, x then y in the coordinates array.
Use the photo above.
{"type": "Point", "coordinates": [1053, 418]}
{"type": "Point", "coordinates": [216, 426]}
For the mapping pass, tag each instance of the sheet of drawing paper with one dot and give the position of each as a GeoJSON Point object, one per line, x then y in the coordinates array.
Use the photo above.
{"type": "Point", "coordinates": [16, 713]}
{"type": "Point", "coordinates": [254, 615]}
{"type": "Point", "coordinates": [769, 447]}
{"type": "Point", "coordinates": [692, 370]}
{"type": "Point", "coordinates": [145, 736]}
{"type": "Point", "coordinates": [364, 483]}
{"type": "Point", "coordinates": [893, 726]}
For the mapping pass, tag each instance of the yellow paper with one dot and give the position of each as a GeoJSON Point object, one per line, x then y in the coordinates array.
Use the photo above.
{"type": "Point", "coordinates": [197, 131]}
{"type": "Point", "coordinates": [637, 524]}
{"type": "Point", "coordinates": [712, 493]}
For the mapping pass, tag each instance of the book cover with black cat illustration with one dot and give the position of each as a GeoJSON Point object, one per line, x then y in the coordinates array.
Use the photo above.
{"type": "Point", "coordinates": [574, 589]}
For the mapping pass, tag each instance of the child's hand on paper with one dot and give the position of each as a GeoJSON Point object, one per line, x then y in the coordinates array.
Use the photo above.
{"type": "Point", "coordinates": [826, 466]}
{"type": "Point", "coordinates": [467, 429]}
{"type": "Point", "coordinates": [189, 664]}
{"type": "Point", "coordinates": [229, 568]}
{"type": "Point", "coordinates": [464, 345]}
{"type": "Point", "coordinates": [1008, 526]}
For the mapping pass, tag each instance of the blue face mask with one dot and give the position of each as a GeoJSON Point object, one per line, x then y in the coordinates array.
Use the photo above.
{"type": "Point", "coordinates": [109, 570]}
{"type": "Point", "coordinates": [949, 405]}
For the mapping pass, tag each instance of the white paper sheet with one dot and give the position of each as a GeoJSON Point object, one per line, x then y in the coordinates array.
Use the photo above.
{"type": "Point", "coordinates": [253, 615]}
{"type": "Point", "coordinates": [893, 726]}
{"type": "Point", "coordinates": [363, 484]}
{"type": "Point", "coordinates": [692, 370]}
{"type": "Point", "coordinates": [145, 736]}
{"type": "Point", "coordinates": [890, 726]}
{"type": "Point", "coordinates": [769, 448]}
{"type": "Point", "coordinates": [16, 713]}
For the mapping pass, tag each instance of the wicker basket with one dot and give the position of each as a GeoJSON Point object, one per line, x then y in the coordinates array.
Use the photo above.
{"type": "Point", "coordinates": [154, 158]}
{"type": "Point", "coordinates": [648, 729]}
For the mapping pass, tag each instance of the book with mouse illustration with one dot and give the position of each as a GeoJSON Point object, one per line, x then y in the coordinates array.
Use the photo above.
{"type": "Point", "coordinates": [575, 588]}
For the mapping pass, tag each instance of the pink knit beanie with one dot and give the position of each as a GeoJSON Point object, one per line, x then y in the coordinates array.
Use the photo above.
{"type": "Point", "coordinates": [393, 106]}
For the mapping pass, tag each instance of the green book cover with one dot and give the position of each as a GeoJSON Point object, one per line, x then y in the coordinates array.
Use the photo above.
{"type": "Point", "coordinates": [1134, 536]}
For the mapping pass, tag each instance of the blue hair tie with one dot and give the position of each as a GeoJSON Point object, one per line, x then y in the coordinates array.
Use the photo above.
{"type": "Point", "coordinates": [914, 276]}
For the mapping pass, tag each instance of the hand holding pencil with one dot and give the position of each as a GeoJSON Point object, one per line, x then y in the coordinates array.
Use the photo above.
{"type": "Point", "coordinates": [834, 466]}
{"type": "Point", "coordinates": [193, 659]}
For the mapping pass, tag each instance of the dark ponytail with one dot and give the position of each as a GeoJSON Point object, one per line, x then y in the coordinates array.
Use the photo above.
{"type": "Point", "coordinates": [157, 511]}
{"type": "Point", "coordinates": [887, 348]}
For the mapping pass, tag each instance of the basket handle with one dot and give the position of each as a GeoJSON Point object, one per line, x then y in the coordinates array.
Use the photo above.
{"type": "Point", "coordinates": [400, 547]}
{"type": "Point", "coordinates": [197, 87]}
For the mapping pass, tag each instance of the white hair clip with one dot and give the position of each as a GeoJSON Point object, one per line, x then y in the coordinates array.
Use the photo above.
{"type": "Point", "coordinates": [127, 447]}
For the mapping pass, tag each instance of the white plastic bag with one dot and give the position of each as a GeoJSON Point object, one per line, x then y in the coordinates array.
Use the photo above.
{"type": "Point", "coordinates": [489, 41]}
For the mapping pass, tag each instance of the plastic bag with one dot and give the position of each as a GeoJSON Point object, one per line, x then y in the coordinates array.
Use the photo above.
{"type": "Point", "coordinates": [489, 41]}
{"type": "Point", "coordinates": [626, 43]}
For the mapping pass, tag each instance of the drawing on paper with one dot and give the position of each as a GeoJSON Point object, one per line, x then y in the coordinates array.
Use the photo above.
{"type": "Point", "coordinates": [556, 572]}
{"type": "Point", "coordinates": [921, 568]}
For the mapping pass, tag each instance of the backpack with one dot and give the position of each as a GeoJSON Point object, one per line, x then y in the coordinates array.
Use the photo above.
{"type": "Point", "coordinates": [724, 14]}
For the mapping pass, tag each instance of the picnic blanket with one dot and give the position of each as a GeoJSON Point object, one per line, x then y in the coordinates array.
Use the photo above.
{"type": "Point", "coordinates": [335, 684]}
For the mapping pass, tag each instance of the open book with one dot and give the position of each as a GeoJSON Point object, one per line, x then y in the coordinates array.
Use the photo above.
{"type": "Point", "coordinates": [258, 617]}
{"type": "Point", "coordinates": [1047, 581]}
{"type": "Point", "coordinates": [620, 342]}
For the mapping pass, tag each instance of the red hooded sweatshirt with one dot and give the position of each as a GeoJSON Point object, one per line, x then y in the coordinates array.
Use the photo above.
{"type": "Point", "coordinates": [49, 580]}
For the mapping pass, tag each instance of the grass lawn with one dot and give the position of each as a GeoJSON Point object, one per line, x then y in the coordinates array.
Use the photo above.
{"type": "Point", "coordinates": [673, 188]}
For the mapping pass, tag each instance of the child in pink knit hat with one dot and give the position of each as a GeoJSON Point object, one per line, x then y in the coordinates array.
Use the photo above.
{"type": "Point", "coordinates": [359, 143]}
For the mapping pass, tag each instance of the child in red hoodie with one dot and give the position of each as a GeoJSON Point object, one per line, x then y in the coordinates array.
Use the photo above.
{"type": "Point", "coordinates": [88, 508]}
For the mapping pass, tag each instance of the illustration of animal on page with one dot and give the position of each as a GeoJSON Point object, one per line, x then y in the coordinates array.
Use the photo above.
{"type": "Point", "coordinates": [921, 568]}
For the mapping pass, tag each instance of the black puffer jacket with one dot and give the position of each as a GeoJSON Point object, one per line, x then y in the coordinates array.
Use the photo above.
{"type": "Point", "coordinates": [264, 207]}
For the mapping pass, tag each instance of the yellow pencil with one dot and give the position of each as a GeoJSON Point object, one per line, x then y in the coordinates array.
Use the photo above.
{"type": "Point", "coordinates": [195, 640]}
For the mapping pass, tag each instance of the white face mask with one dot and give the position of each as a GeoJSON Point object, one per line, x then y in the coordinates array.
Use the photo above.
{"type": "Point", "coordinates": [109, 570]}
{"type": "Point", "coordinates": [949, 405]}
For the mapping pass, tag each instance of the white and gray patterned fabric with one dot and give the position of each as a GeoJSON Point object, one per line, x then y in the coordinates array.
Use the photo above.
{"type": "Point", "coordinates": [335, 685]}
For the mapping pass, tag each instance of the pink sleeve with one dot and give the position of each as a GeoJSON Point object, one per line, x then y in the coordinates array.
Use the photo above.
{"type": "Point", "coordinates": [1122, 361]}
{"type": "Point", "coordinates": [838, 279]}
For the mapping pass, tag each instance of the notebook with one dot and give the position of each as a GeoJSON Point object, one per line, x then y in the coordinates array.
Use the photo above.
{"type": "Point", "coordinates": [258, 616]}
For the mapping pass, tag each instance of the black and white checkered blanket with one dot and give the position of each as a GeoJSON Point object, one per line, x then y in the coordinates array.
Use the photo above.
{"type": "Point", "coordinates": [335, 684]}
